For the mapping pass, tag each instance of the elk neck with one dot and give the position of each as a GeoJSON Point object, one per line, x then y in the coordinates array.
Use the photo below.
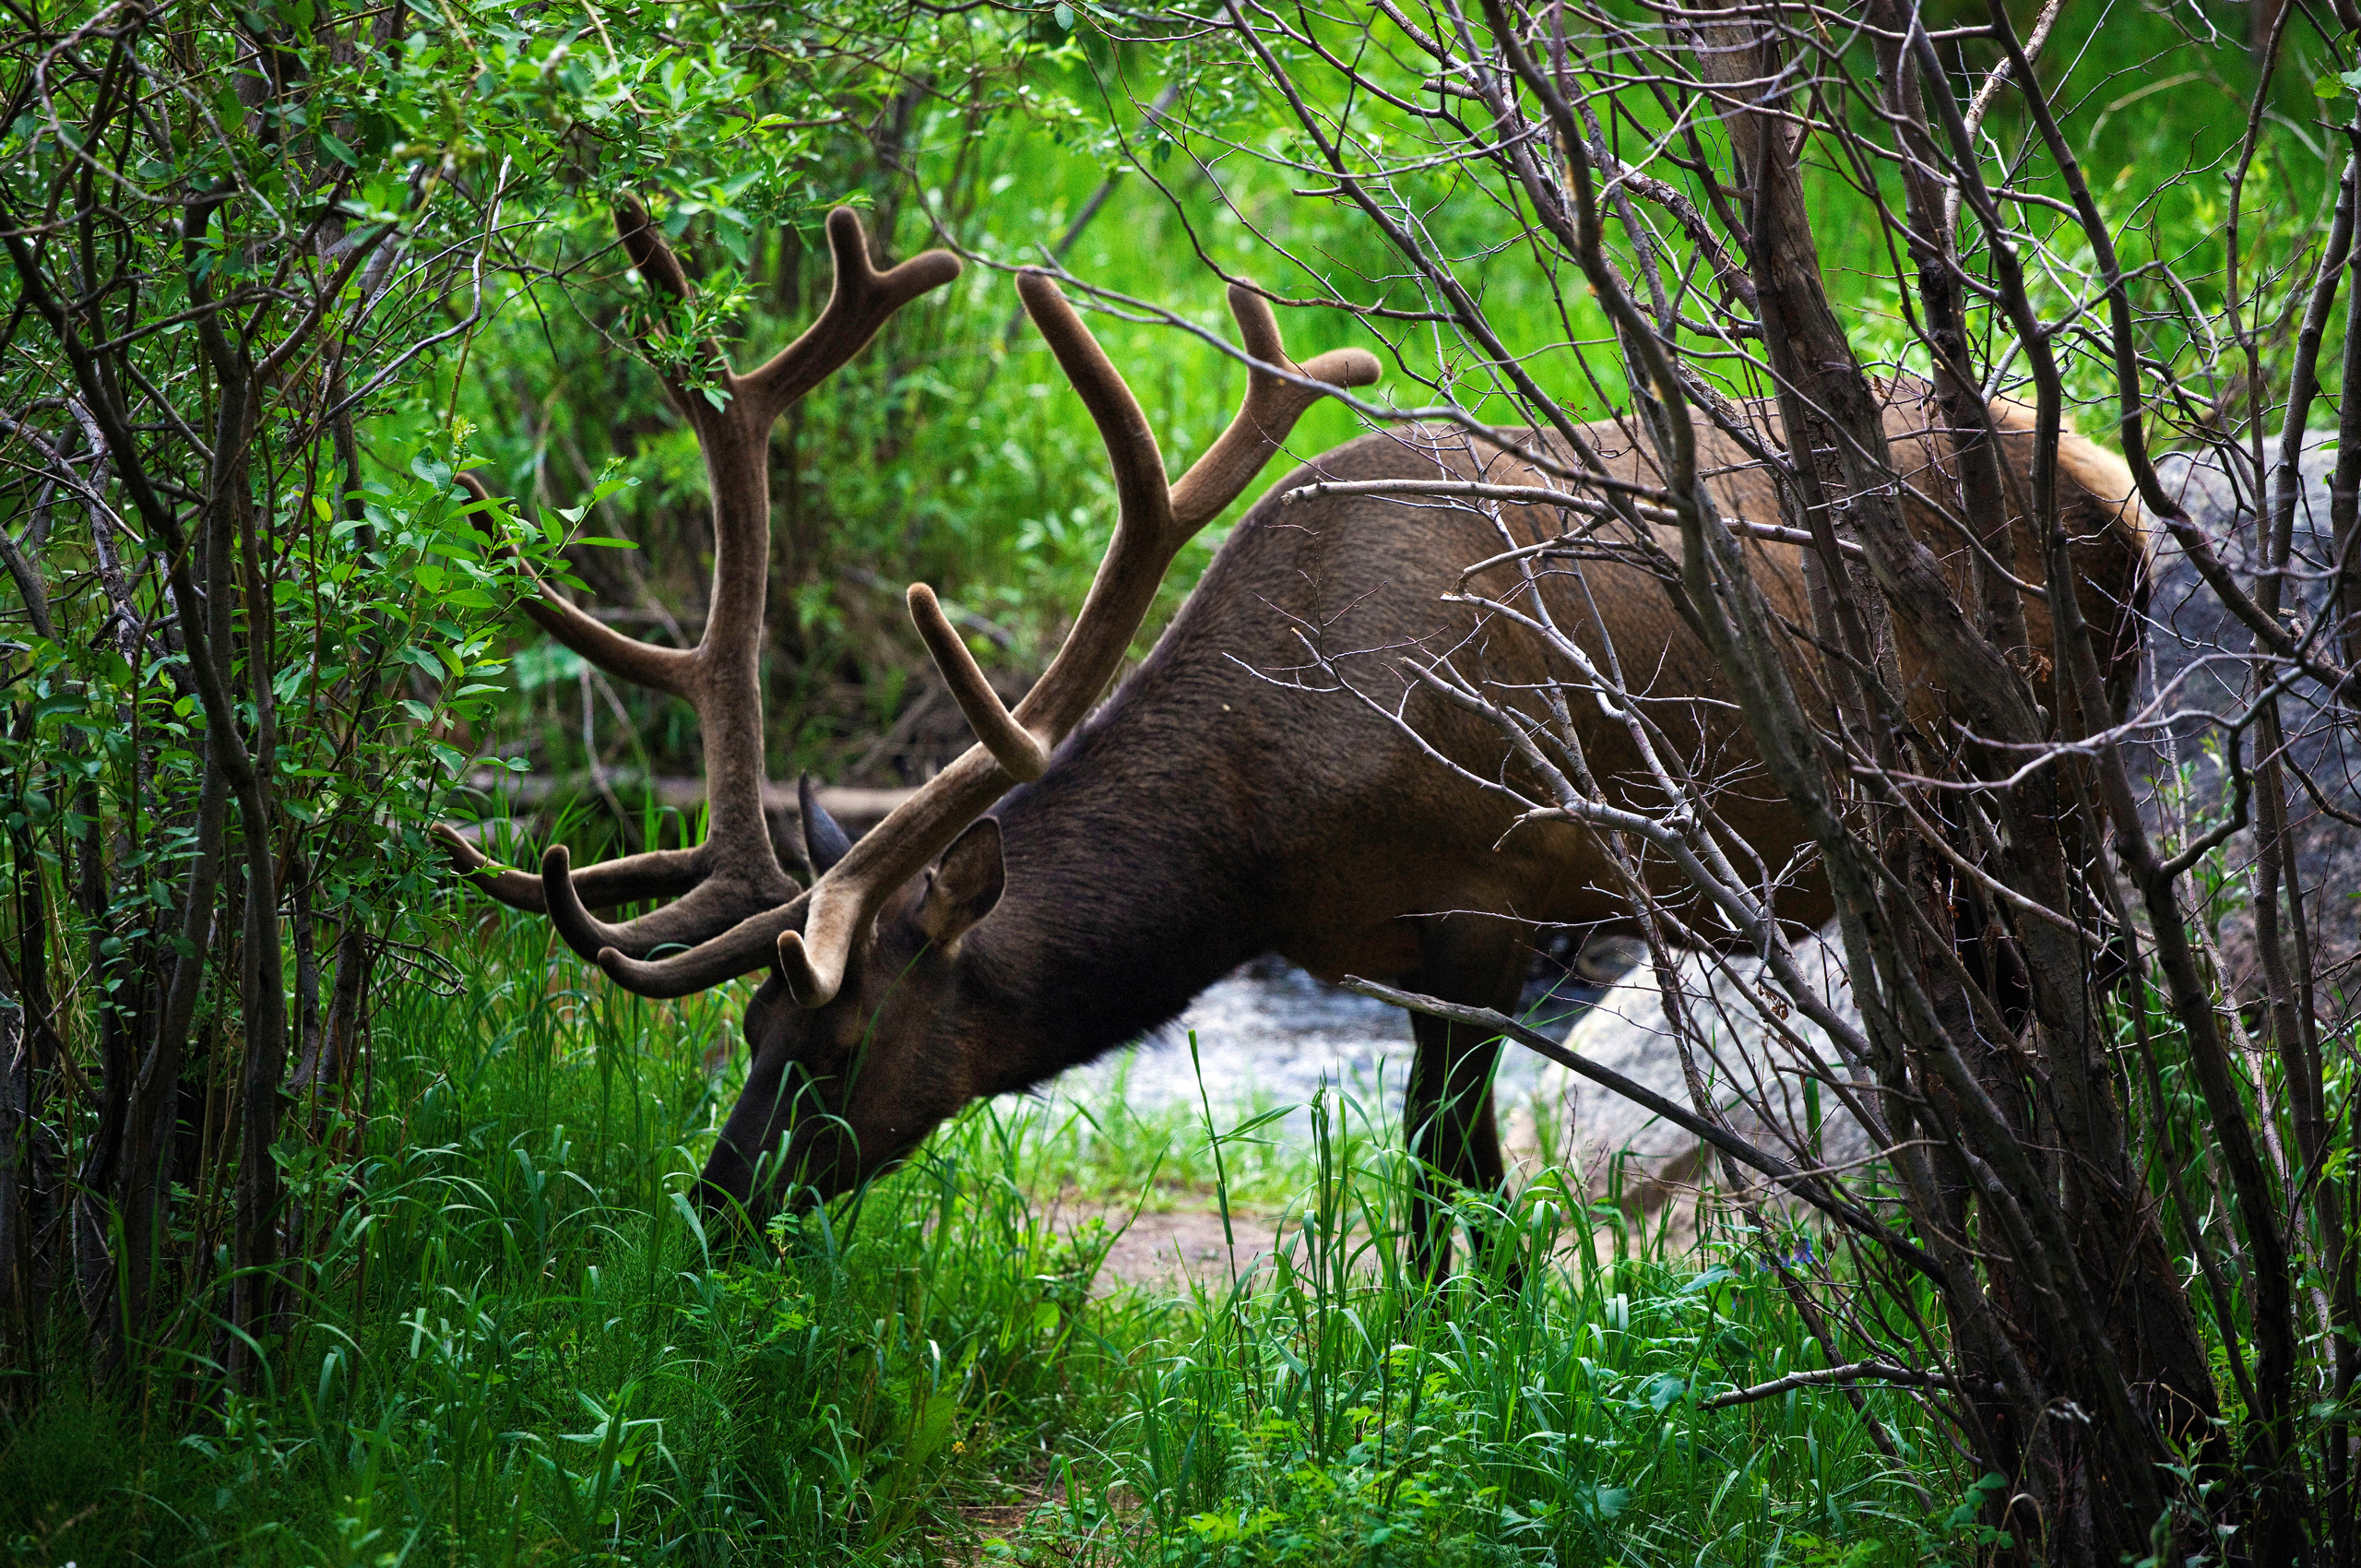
{"type": "Point", "coordinates": [1131, 888]}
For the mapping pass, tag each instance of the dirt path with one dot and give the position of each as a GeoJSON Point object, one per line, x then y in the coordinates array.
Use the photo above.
{"type": "Point", "coordinates": [1181, 1247]}
{"type": "Point", "coordinates": [1168, 1249]}
{"type": "Point", "coordinates": [1176, 1249]}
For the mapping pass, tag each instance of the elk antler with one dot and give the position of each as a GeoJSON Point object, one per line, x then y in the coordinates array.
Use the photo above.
{"type": "Point", "coordinates": [1153, 520]}
{"type": "Point", "coordinates": [735, 873]}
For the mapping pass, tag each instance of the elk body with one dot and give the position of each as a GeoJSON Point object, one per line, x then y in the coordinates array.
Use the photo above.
{"type": "Point", "coordinates": [1271, 779]}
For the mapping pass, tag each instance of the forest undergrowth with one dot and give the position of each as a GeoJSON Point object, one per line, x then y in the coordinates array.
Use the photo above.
{"type": "Point", "coordinates": [518, 1349]}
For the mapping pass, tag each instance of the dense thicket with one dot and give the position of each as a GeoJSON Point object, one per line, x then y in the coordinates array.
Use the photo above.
{"type": "Point", "coordinates": [253, 632]}
{"type": "Point", "coordinates": [1930, 672]}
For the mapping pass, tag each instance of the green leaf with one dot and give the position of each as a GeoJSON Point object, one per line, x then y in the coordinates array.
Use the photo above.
{"type": "Point", "coordinates": [1602, 1501]}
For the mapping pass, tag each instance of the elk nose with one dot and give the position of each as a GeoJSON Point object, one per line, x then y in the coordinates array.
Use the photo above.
{"type": "Point", "coordinates": [727, 1185]}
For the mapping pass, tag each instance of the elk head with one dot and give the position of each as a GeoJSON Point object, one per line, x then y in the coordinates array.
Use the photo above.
{"type": "Point", "coordinates": [855, 1054]}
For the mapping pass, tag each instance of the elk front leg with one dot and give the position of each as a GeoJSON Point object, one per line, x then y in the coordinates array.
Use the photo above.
{"type": "Point", "coordinates": [1447, 1111]}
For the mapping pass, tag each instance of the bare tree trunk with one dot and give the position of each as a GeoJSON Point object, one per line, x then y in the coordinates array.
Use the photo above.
{"type": "Point", "coordinates": [17, 1323]}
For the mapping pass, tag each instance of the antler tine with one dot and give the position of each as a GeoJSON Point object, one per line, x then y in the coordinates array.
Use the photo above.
{"type": "Point", "coordinates": [649, 255]}
{"type": "Point", "coordinates": [654, 260]}
{"type": "Point", "coordinates": [751, 944]}
{"type": "Point", "coordinates": [1021, 754]}
{"type": "Point", "coordinates": [1146, 536]}
{"type": "Point", "coordinates": [1155, 525]}
{"type": "Point", "coordinates": [712, 903]}
{"type": "Point", "coordinates": [657, 873]}
{"type": "Point", "coordinates": [1266, 417]}
{"type": "Point", "coordinates": [668, 670]}
{"type": "Point", "coordinates": [512, 888]}
{"type": "Point", "coordinates": [859, 304]}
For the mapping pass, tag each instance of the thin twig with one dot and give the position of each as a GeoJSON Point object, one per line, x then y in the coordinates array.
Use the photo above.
{"type": "Point", "coordinates": [1851, 1372]}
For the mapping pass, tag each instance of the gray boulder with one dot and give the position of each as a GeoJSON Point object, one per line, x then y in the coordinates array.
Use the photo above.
{"type": "Point", "coordinates": [1754, 1074]}
{"type": "Point", "coordinates": [2195, 660]}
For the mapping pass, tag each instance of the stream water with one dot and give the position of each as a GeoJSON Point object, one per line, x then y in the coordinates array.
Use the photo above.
{"type": "Point", "coordinates": [1271, 1034]}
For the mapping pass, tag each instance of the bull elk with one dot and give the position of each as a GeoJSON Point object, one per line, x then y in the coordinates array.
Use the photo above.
{"type": "Point", "coordinates": [1206, 813]}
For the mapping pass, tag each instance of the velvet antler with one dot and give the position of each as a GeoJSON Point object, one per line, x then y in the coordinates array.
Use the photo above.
{"type": "Point", "coordinates": [814, 938]}
{"type": "Point", "coordinates": [735, 874]}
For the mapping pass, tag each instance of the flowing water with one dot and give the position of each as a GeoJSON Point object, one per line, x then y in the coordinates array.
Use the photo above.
{"type": "Point", "coordinates": [1269, 1035]}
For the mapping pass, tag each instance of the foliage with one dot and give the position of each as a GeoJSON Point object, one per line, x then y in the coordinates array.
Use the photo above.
{"type": "Point", "coordinates": [251, 254]}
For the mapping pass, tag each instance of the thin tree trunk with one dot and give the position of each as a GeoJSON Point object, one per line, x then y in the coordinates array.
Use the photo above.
{"type": "Point", "coordinates": [15, 1090]}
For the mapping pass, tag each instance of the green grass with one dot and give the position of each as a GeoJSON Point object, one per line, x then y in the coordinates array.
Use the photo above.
{"type": "Point", "coordinates": [515, 1350]}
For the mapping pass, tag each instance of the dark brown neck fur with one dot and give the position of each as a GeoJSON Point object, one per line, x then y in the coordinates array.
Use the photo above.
{"type": "Point", "coordinates": [1131, 888]}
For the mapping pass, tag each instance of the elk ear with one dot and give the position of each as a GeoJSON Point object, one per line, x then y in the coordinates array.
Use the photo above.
{"type": "Point", "coordinates": [825, 842]}
{"type": "Point", "coordinates": [965, 885]}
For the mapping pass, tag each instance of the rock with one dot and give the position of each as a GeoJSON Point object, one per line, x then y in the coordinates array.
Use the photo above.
{"type": "Point", "coordinates": [1750, 1072]}
{"type": "Point", "coordinates": [2195, 641]}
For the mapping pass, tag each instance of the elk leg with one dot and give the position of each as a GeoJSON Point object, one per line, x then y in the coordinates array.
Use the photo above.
{"type": "Point", "coordinates": [1447, 1111]}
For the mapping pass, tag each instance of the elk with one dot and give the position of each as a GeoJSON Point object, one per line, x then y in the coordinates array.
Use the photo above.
{"type": "Point", "coordinates": [1074, 879]}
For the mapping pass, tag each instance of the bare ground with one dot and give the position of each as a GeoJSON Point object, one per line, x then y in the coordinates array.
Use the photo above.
{"type": "Point", "coordinates": [1174, 1250]}
{"type": "Point", "coordinates": [1168, 1248]}
{"type": "Point", "coordinates": [1185, 1246]}
{"type": "Point", "coordinates": [1031, 1516]}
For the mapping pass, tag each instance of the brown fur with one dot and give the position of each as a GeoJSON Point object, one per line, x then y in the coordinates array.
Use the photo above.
{"type": "Point", "coordinates": [1214, 809]}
